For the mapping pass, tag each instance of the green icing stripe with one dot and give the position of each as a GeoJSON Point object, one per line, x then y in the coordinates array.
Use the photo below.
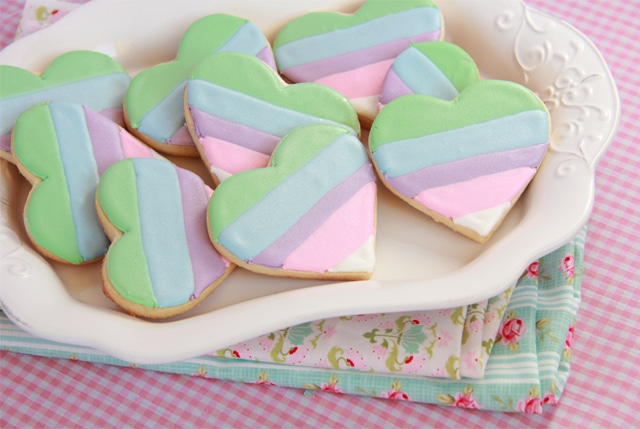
{"type": "Point", "coordinates": [315, 23]}
{"type": "Point", "coordinates": [69, 67]}
{"type": "Point", "coordinates": [418, 115]}
{"type": "Point", "coordinates": [36, 148]}
{"type": "Point", "coordinates": [126, 264]}
{"type": "Point", "coordinates": [455, 63]}
{"type": "Point", "coordinates": [249, 75]}
{"type": "Point", "coordinates": [204, 37]}
{"type": "Point", "coordinates": [227, 204]}
{"type": "Point", "coordinates": [207, 35]}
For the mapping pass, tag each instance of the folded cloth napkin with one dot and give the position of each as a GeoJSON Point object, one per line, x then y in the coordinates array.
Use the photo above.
{"type": "Point", "coordinates": [429, 343]}
{"type": "Point", "coordinates": [527, 369]}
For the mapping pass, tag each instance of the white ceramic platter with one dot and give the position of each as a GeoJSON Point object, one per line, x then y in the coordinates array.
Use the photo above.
{"type": "Point", "coordinates": [421, 265]}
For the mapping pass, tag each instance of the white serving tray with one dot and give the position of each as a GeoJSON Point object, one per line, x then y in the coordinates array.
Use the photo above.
{"type": "Point", "coordinates": [421, 265]}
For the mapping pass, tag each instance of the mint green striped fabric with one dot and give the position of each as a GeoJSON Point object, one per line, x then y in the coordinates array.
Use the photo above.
{"type": "Point", "coordinates": [526, 371]}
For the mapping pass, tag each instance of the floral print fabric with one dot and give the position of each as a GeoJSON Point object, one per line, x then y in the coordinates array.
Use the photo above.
{"type": "Point", "coordinates": [526, 370]}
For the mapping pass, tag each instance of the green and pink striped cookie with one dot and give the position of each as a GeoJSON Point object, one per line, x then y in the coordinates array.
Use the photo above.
{"type": "Point", "coordinates": [352, 53]}
{"type": "Point", "coordinates": [311, 213]}
{"type": "Point", "coordinates": [154, 101]}
{"type": "Point", "coordinates": [63, 149]}
{"type": "Point", "coordinates": [89, 78]}
{"type": "Point", "coordinates": [161, 262]}
{"type": "Point", "coordinates": [463, 162]}
{"type": "Point", "coordinates": [238, 109]}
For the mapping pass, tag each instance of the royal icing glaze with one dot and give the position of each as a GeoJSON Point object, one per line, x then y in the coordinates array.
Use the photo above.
{"type": "Point", "coordinates": [439, 69]}
{"type": "Point", "coordinates": [63, 149]}
{"type": "Point", "coordinates": [154, 101]}
{"type": "Point", "coordinates": [312, 210]}
{"type": "Point", "coordinates": [465, 160]}
{"type": "Point", "coordinates": [352, 53]}
{"type": "Point", "coordinates": [89, 78]}
{"type": "Point", "coordinates": [239, 109]}
{"type": "Point", "coordinates": [163, 257]}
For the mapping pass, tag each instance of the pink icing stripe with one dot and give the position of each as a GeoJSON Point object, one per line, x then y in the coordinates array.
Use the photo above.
{"type": "Point", "coordinates": [105, 136]}
{"type": "Point", "coordinates": [478, 194]}
{"type": "Point", "coordinates": [361, 82]}
{"type": "Point", "coordinates": [275, 254]}
{"type": "Point", "coordinates": [134, 148]}
{"type": "Point", "coordinates": [317, 69]}
{"type": "Point", "coordinates": [231, 157]}
{"type": "Point", "coordinates": [242, 135]}
{"type": "Point", "coordinates": [181, 138]}
{"type": "Point", "coordinates": [339, 236]}
{"type": "Point", "coordinates": [114, 115]}
{"type": "Point", "coordinates": [206, 262]}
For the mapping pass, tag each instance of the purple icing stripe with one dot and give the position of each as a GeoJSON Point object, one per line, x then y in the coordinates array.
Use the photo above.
{"type": "Point", "coordinates": [274, 255]}
{"type": "Point", "coordinates": [393, 88]}
{"type": "Point", "coordinates": [105, 138]}
{"type": "Point", "coordinates": [5, 143]}
{"type": "Point", "coordinates": [267, 57]}
{"type": "Point", "coordinates": [466, 169]}
{"type": "Point", "coordinates": [317, 69]}
{"type": "Point", "coordinates": [250, 138]}
{"type": "Point", "coordinates": [207, 265]}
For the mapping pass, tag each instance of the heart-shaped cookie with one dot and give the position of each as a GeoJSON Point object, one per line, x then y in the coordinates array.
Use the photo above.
{"type": "Point", "coordinates": [238, 109]}
{"type": "Point", "coordinates": [463, 162]}
{"type": "Point", "coordinates": [89, 78]}
{"type": "Point", "coordinates": [153, 103]}
{"type": "Point", "coordinates": [62, 149]}
{"type": "Point", "coordinates": [439, 69]}
{"type": "Point", "coordinates": [310, 213]}
{"type": "Point", "coordinates": [161, 262]}
{"type": "Point", "coordinates": [352, 53]}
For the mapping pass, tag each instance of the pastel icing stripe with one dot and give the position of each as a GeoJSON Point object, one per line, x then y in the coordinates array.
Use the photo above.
{"type": "Point", "coordinates": [316, 220]}
{"type": "Point", "coordinates": [89, 78]}
{"type": "Point", "coordinates": [438, 69]}
{"type": "Point", "coordinates": [465, 159]}
{"type": "Point", "coordinates": [352, 53]}
{"type": "Point", "coordinates": [66, 147]}
{"type": "Point", "coordinates": [164, 257]}
{"type": "Point", "coordinates": [240, 110]}
{"type": "Point", "coordinates": [154, 101]}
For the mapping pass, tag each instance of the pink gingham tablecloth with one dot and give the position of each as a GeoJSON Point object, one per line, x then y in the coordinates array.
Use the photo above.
{"type": "Point", "coordinates": [602, 390]}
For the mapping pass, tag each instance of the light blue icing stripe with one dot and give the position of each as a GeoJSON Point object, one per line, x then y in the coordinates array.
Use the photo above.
{"type": "Point", "coordinates": [309, 184]}
{"type": "Point", "coordinates": [162, 229]}
{"type": "Point", "coordinates": [81, 172]}
{"type": "Point", "coordinates": [252, 112]}
{"type": "Point", "coordinates": [509, 132]}
{"type": "Point", "coordinates": [422, 76]}
{"type": "Point", "coordinates": [368, 34]}
{"type": "Point", "coordinates": [248, 40]}
{"type": "Point", "coordinates": [166, 117]}
{"type": "Point", "coordinates": [98, 93]}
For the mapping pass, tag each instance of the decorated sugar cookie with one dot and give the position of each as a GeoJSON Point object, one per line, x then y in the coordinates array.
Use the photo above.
{"type": "Point", "coordinates": [89, 78]}
{"type": "Point", "coordinates": [161, 262]}
{"type": "Point", "coordinates": [463, 162]}
{"type": "Point", "coordinates": [352, 53]}
{"type": "Point", "coordinates": [439, 69]}
{"type": "Point", "coordinates": [311, 213]}
{"type": "Point", "coordinates": [153, 103]}
{"type": "Point", "coordinates": [238, 109]}
{"type": "Point", "coordinates": [63, 149]}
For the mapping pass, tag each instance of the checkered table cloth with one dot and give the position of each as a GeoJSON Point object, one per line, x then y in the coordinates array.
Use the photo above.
{"type": "Point", "coordinates": [602, 390]}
